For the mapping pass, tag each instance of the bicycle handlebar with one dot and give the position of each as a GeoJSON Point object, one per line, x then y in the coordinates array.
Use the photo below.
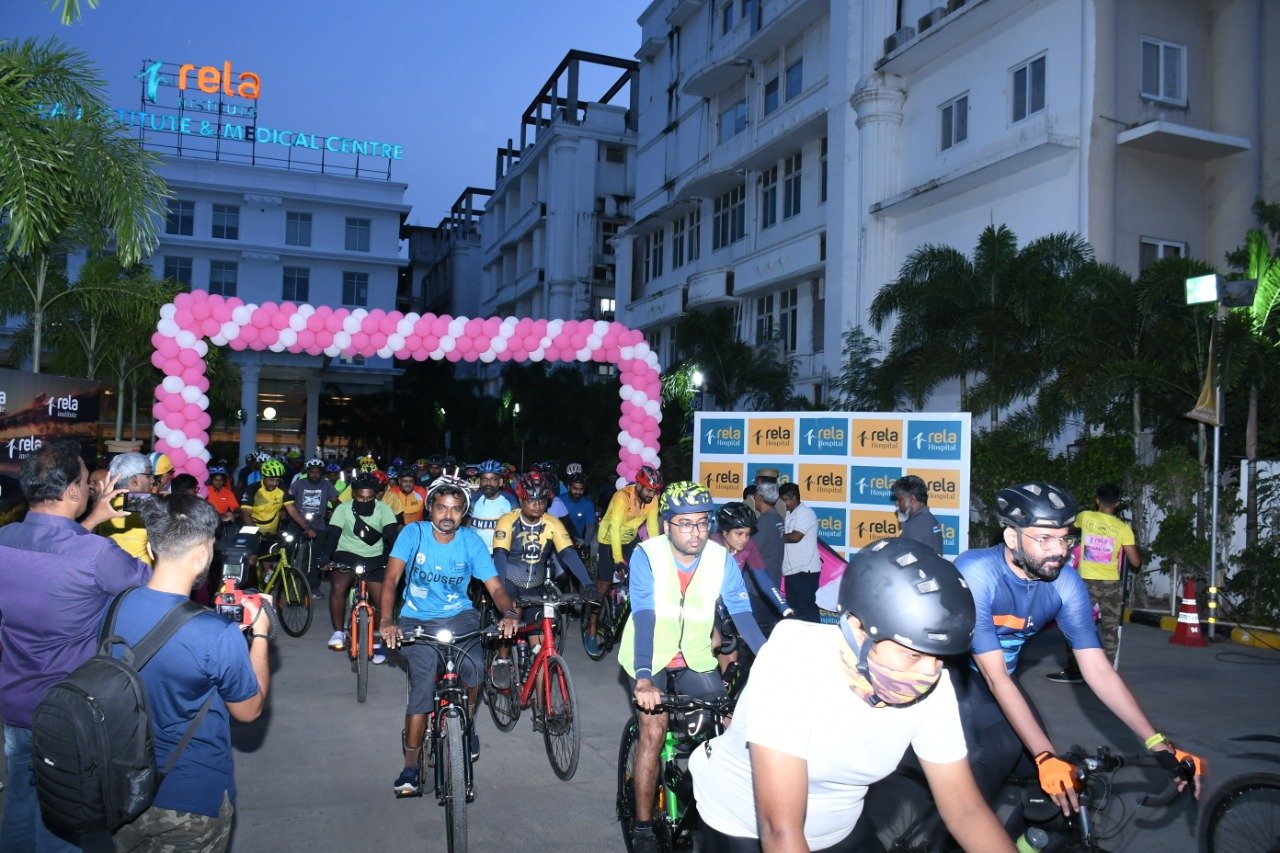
{"type": "Point", "coordinates": [344, 567]}
{"type": "Point", "coordinates": [678, 702]}
{"type": "Point", "coordinates": [1104, 761]}
{"type": "Point", "coordinates": [553, 601]}
{"type": "Point", "coordinates": [445, 637]}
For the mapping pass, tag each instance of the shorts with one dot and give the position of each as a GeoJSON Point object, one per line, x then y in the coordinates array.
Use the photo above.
{"type": "Point", "coordinates": [425, 659]}
{"type": "Point", "coordinates": [687, 682]}
{"type": "Point", "coordinates": [375, 567]}
{"type": "Point", "coordinates": [605, 566]}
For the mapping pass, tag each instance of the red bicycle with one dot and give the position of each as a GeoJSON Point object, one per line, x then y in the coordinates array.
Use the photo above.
{"type": "Point", "coordinates": [540, 681]}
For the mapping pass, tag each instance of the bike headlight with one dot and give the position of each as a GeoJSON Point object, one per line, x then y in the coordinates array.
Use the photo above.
{"type": "Point", "coordinates": [444, 635]}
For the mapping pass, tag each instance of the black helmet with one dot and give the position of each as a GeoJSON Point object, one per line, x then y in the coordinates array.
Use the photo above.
{"type": "Point", "coordinates": [735, 515]}
{"type": "Point", "coordinates": [534, 486]}
{"type": "Point", "coordinates": [1035, 505]}
{"type": "Point", "coordinates": [904, 591]}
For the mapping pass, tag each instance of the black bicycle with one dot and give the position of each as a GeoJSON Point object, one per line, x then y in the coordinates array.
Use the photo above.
{"type": "Point", "coordinates": [615, 609]}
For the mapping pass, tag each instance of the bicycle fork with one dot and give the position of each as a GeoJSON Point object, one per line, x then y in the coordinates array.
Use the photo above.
{"type": "Point", "coordinates": [449, 712]}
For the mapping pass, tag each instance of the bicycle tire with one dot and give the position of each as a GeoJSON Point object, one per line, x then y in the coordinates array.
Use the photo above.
{"type": "Point", "coordinates": [360, 642]}
{"type": "Point", "coordinates": [561, 732]}
{"type": "Point", "coordinates": [1243, 814]}
{"type": "Point", "coordinates": [504, 705]}
{"type": "Point", "coordinates": [626, 800]}
{"type": "Point", "coordinates": [455, 793]}
{"type": "Point", "coordinates": [295, 602]}
{"type": "Point", "coordinates": [603, 618]}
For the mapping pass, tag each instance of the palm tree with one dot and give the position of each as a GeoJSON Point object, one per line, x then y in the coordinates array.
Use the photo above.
{"type": "Point", "coordinates": [734, 372]}
{"type": "Point", "coordinates": [70, 11]}
{"type": "Point", "coordinates": [69, 177]}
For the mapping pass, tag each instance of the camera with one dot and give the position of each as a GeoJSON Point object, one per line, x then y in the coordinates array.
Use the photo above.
{"type": "Point", "coordinates": [229, 601]}
{"type": "Point", "coordinates": [135, 501]}
{"type": "Point", "coordinates": [237, 546]}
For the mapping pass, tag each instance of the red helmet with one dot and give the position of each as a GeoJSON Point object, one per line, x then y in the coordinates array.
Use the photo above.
{"type": "Point", "coordinates": [534, 486]}
{"type": "Point", "coordinates": [381, 477]}
{"type": "Point", "coordinates": [649, 478]}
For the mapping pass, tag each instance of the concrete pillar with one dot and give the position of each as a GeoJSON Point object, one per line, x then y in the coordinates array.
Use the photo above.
{"type": "Point", "coordinates": [313, 417]}
{"type": "Point", "coordinates": [562, 219]}
{"type": "Point", "coordinates": [878, 101]}
{"type": "Point", "coordinates": [249, 405]}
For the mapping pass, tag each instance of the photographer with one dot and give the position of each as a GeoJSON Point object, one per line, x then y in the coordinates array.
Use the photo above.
{"type": "Point", "coordinates": [205, 661]}
{"type": "Point", "coordinates": [131, 471]}
{"type": "Point", "coordinates": [56, 578]}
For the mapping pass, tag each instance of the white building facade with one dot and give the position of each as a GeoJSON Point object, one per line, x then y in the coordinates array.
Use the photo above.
{"type": "Point", "coordinates": [792, 153]}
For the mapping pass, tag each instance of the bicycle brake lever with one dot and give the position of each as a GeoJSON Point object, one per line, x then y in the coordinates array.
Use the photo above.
{"type": "Point", "coordinates": [1167, 791]}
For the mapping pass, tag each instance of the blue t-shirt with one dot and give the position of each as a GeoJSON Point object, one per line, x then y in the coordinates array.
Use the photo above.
{"type": "Point", "coordinates": [1011, 610]}
{"type": "Point", "coordinates": [207, 657]}
{"type": "Point", "coordinates": [582, 512]}
{"type": "Point", "coordinates": [437, 573]}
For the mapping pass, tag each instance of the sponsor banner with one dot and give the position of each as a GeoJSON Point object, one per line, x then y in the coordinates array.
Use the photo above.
{"type": "Point", "coordinates": [933, 440]}
{"type": "Point", "coordinates": [868, 525]}
{"type": "Point", "coordinates": [776, 436]}
{"type": "Point", "coordinates": [876, 437]}
{"type": "Point", "coordinates": [786, 472]}
{"type": "Point", "coordinates": [831, 526]}
{"type": "Point", "coordinates": [871, 484]}
{"type": "Point", "coordinates": [823, 482]}
{"type": "Point", "coordinates": [950, 534]}
{"type": "Point", "coordinates": [722, 479]}
{"type": "Point", "coordinates": [36, 408]}
{"type": "Point", "coordinates": [943, 485]}
{"type": "Point", "coordinates": [722, 435]}
{"type": "Point", "coordinates": [824, 437]}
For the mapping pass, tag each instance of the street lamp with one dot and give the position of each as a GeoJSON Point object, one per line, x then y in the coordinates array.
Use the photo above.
{"type": "Point", "coordinates": [697, 379]}
{"type": "Point", "coordinates": [515, 413]}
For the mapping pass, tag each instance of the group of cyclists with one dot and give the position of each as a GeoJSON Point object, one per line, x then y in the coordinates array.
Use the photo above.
{"type": "Point", "coordinates": [923, 652]}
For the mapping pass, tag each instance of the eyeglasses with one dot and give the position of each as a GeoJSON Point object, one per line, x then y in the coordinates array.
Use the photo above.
{"type": "Point", "coordinates": [1043, 541]}
{"type": "Point", "coordinates": [690, 526]}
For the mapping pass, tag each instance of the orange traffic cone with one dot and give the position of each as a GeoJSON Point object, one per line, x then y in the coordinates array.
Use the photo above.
{"type": "Point", "coordinates": [1188, 631]}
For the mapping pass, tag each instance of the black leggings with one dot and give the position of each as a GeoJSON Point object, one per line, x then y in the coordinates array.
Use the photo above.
{"type": "Point", "coordinates": [861, 839]}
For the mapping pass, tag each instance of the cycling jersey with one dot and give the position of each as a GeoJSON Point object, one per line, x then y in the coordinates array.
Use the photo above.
{"type": "Point", "coordinates": [437, 573]}
{"type": "Point", "coordinates": [485, 513]}
{"type": "Point", "coordinates": [528, 550]}
{"type": "Point", "coordinates": [267, 506]}
{"type": "Point", "coordinates": [1011, 610]}
{"type": "Point", "coordinates": [623, 518]}
{"type": "Point", "coordinates": [312, 499]}
{"type": "Point", "coordinates": [582, 513]}
{"type": "Point", "coordinates": [411, 504]}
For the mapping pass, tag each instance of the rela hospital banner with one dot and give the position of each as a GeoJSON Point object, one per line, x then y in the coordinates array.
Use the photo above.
{"type": "Point", "coordinates": [844, 464]}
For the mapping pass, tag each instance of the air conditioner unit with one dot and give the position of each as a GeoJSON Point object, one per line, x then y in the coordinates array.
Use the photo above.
{"type": "Point", "coordinates": [898, 39]}
{"type": "Point", "coordinates": [933, 17]}
{"type": "Point", "coordinates": [952, 5]}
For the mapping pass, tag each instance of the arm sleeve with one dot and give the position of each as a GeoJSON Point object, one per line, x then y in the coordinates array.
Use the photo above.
{"type": "Point", "coordinates": [651, 518]}
{"type": "Point", "coordinates": [569, 556]}
{"type": "Point", "coordinates": [611, 531]}
{"type": "Point", "coordinates": [642, 612]}
{"type": "Point", "coordinates": [769, 591]}
{"type": "Point", "coordinates": [734, 595]}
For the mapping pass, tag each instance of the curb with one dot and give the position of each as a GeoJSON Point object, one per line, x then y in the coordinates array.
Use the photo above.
{"type": "Point", "coordinates": [1258, 638]}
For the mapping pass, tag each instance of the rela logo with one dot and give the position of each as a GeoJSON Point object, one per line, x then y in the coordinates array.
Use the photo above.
{"type": "Point", "coordinates": [64, 406]}
{"type": "Point", "coordinates": [824, 436]}
{"type": "Point", "coordinates": [934, 440]}
{"type": "Point", "coordinates": [20, 447]}
{"type": "Point", "coordinates": [871, 484]}
{"type": "Point", "coordinates": [722, 435]}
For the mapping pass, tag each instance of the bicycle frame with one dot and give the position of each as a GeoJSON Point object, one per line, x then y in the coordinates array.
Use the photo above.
{"type": "Point", "coordinates": [357, 601]}
{"type": "Point", "coordinates": [539, 665]}
{"type": "Point", "coordinates": [450, 703]}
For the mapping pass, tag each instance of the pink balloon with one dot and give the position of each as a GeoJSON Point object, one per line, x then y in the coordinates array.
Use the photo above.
{"type": "Point", "coordinates": [627, 408]}
{"type": "Point", "coordinates": [333, 322]}
{"type": "Point", "coordinates": [203, 421]}
{"type": "Point", "coordinates": [221, 310]}
{"type": "Point", "coordinates": [465, 345]}
{"type": "Point", "coordinates": [440, 327]}
{"type": "Point", "coordinates": [168, 348]}
{"type": "Point", "coordinates": [238, 344]}
{"type": "Point", "coordinates": [315, 322]}
{"type": "Point", "coordinates": [280, 320]}
{"type": "Point", "coordinates": [251, 334]}
{"type": "Point", "coordinates": [453, 355]}
{"type": "Point", "coordinates": [189, 412]}
{"type": "Point", "coordinates": [173, 420]}
{"type": "Point", "coordinates": [470, 355]}
{"type": "Point", "coordinates": [390, 322]}
{"type": "Point", "coordinates": [288, 309]}
{"type": "Point", "coordinates": [202, 382]}
{"type": "Point", "coordinates": [360, 340]}
{"type": "Point", "coordinates": [492, 326]}
{"type": "Point", "coordinates": [260, 318]}
{"type": "Point", "coordinates": [508, 355]}
{"type": "Point", "coordinates": [173, 403]}
{"type": "Point", "coordinates": [209, 327]}
{"type": "Point", "coordinates": [307, 338]}
{"type": "Point", "coordinates": [269, 336]}
{"type": "Point", "coordinates": [473, 327]}
{"type": "Point", "coordinates": [420, 354]}
{"type": "Point", "coordinates": [430, 343]}
{"type": "Point", "coordinates": [412, 343]}
{"type": "Point", "coordinates": [324, 339]}
{"type": "Point", "coordinates": [191, 375]}
{"type": "Point", "coordinates": [177, 457]}
{"type": "Point", "coordinates": [552, 353]}
{"type": "Point", "coordinates": [157, 360]}
{"type": "Point", "coordinates": [188, 357]}
{"type": "Point", "coordinates": [377, 340]}
{"type": "Point", "coordinates": [200, 310]}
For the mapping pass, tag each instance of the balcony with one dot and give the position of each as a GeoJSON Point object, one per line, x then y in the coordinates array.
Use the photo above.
{"type": "Point", "coordinates": [683, 12]}
{"type": "Point", "coordinates": [736, 52]}
{"type": "Point", "coordinates": [975, 18]}
{"type": "Point", "coordinates": [710, 288]}
{"type": "Point", "coordinates": [525, 284]}
{"type": "Point", "coordinates": [1180, 140]}
{"type": "Point", "coordinates": [797, 259]}
{"type": "Point", "coordinates": [658, 309]}
{"type": "Point", "coordinates": [532, 214]}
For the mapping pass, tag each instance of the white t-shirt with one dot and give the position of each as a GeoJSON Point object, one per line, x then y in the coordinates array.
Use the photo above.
{"type": "Point", "coordinates": [485, 514]}
{"type": "Point", "coordinates": [797, 700]}
{"type": "Point", "coordinates": [801, 556]}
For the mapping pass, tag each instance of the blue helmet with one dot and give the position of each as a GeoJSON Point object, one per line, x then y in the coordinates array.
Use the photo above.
{"type": "Point", "coordinates": [491, 466]}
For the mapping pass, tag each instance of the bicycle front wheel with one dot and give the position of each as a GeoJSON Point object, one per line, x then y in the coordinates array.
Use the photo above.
{"type": "Point", "coordinates": [454, 753]}
{"type": "Point", "coordinates": [604, 619]}
{"type": "Point", "coordinates": [561, 732]}
{"type": "Point", "coordinates": [360, 642]}
{"type": "Point", "coordinates": [1244, 814]}
{"type": "Point", "coordinates": [504, 704]}
{"type": "Point", "coordinates": [294, 602]}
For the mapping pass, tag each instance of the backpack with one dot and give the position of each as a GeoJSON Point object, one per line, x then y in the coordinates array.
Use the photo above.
{"type": "Point", "coordinates": [92, 751]}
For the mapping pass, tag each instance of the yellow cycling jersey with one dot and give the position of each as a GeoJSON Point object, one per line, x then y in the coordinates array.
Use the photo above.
{"type": "Point", "coordinates": [623, 518]}
{"type": "Point", "coordinates": [529, 547]}
{"type": "Point", "coordinates": [267, 506]}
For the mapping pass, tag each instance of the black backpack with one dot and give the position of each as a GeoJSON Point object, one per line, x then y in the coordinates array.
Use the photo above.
{"type": "Point", "coordinates": [92, 752]}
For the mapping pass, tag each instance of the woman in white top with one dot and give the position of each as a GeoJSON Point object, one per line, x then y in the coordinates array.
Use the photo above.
{"type": "Point", "coordinates": [829, 710]}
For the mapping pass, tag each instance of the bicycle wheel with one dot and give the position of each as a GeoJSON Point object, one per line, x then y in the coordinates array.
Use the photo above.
{"type": "Point", "coordinates": [302, 559]}
{"type": "Point", "coordinates": [604, 619]}
{"type": "Point", "coordinates": [561, 733]}
{"type": "Point", "coordinates": [360, 643]}
{"type": "Point", "coordinates": [504, 705]}
{"type": "Point", "coordinates": [626, 798]}
{"type": "Point", "coordinates": [294, 602]}
{"type": "Point", "coordinates": [453, 755]}
{"type": "Point", "coordinates": [1244, 814]}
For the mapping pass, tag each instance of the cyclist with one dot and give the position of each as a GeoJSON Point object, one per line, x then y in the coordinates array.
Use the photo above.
{"type": "Point", "coordinates": [365, 524]}
{"type": "Point", "coordinates": [441, 557]}
{"type": "Point", "coordinates": [675, 581]}
{"type": "Point", "coordinates": [312, 495]}
{"type": "Point", "coordinates": [523, 543]}
{"type": "Point", "coordinates": [429, 469]}
{"type": "Point", "coordinates": [829, 710]}
{"type": "Point", "coordinates": [582, 510]}
{"type": "Point", "coordinates": [264, 506]}
{"type": "Point", "coordinates": [630, 507]}
{"type": "Point", "coordinates": [1020, 586]}
{"type": "Point", "coordinates": [406, 498]}
{"type": "Point", "coordinates": [490, 504]}
{"type": "Point", "coordinates": [222, 496]}
{"type": "Point", "coordinates": [333, 473]}
{"type": "Point", "coordinates": [735, 525]}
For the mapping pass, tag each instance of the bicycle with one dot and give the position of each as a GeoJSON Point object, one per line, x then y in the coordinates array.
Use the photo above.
{"type": "Point", "coordinates": [293, 599]}
{"type": "Point", "coordinates": [1244, 812]}
{"type": "Point", "coordinates": [691, 722]}
{"type": "Point", "coordinates": [358, 624]}
{"type": "Point", "coordinates": [447, 725]}
{"type": "Point", "coordinates": [540, 680]}
{"type": "Point", "coordinates": [615, 609]}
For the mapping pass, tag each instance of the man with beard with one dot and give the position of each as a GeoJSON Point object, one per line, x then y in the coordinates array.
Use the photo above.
{"type": "Point", "coordinates": [490, 504]}
{"type": "Point", "coordinates": [1019, 587]}
{"type": "Point", "coordinates": [363, 524]}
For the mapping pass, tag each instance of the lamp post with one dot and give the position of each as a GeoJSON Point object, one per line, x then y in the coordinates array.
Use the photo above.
{"type": "Point", "coordinates": [515, 431]}
{"type": "Point", "coordinates": [697, 379]}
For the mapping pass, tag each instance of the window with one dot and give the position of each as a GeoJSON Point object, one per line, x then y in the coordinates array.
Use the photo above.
{"type": "Point", "coordinates": [729, 218]}
{"type": "Point", "coordinates": [788, 317]}
{"type": "Point", "coordinates": [355, 288]}
{"type": "Point", "coordinates": [795, 78]}
{"type": "Point", "coordinates": [764, 318]}
{"type": "Point", "coordinates": [351, 360]}
{"type": "Point", "coordinates": [751, 11]}
{"type": "Point", "coordinates": [608, 307]}
{"type": "Point", "coordinates": [177, 269]}
{"type": "Point", "coordinates": [822, 168]}
{"type": "Point", "coordinates": [768, 197]}
{"type": "Point", "coordinates": [791, 186]}
{"type": "Point", "coordinates": [677, 242]}
{"type": "Point", "coordinates": [181, 219]}
{"type": "Point", "coordinates": [615, 154]}
{"type": "Point", "coordinates": [656, 248]}
{"type": "Point", "coordinates": [1164, 71]}
{"type": "Point", "coordinates": [608, 230]}
{"type": "Point", "coordinates": [222, 278]}
{"type": "Point", "coordinates": [297, 228]}
{"type": "Point", "coordinates": [1028, 88]}
{"type": "Point", "coordinates": [819, 315]}
{"type": "Point", "coordinates": [771, 96]}
{"type": "Point", "coordinates": [226, 222]}
{"type": "Point", "coordinates": [297, 284]}
{"type": "Point", "coordinates": [1151, 250]}
{"type": "Point", "coordinates": [642, 246]}
{"type": "Point", "coordinates": [357, 234]}
{"type": "Point", "coordinates": [955, 121]}
{"type": "Point", "coordinates": [695, 234]}
{"type": "Point", "coordinates": [726, 17]}
{"type": "Point", "coordinates": [733, 119]}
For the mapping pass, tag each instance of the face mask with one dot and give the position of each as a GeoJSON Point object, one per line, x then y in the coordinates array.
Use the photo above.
{"type": "Point", "coordinates": [362, 507]}
{"type": "Point", "coordinates": [902, 515]}
{"type": "Point", "coordinates": [878, 685]}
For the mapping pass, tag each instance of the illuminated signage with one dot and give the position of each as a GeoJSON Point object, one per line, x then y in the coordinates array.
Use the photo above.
{"type": "Point", "coordinates": [209, 79]}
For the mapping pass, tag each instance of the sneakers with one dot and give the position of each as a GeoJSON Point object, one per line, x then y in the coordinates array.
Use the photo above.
{"type": "Point", "coordinates": [378, 656]}
{"type": "Point", "coordinates": [591, 644]}
{"type": "Point", "coordinates": [317, 593]}
{"type": "Point", "coordinates": [474, 738]}
{"type": "Point", "coordinates": [500, 673]}
{"type": "Point", "coordinates": [406, 784]}
{"type": "Point", "coordinates": [643, 840]}
{"type": "Point", "coordinates": [338, 641]}
{"type": "Point", "coordinates": [1065, 677]}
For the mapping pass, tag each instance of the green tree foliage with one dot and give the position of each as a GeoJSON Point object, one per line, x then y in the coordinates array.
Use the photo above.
{"type": "Point", "coordinates": [862, 386]}
{"type": "Point", "coordinates": [736, 374]}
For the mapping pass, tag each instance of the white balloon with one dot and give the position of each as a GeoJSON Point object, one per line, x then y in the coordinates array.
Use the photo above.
{"type": "Point", "coordinates": [638, 397]}
{"type": "Point", "coordinates": [395, 342]}
{"type": "Point", "coordinates": [230, 331]}
{"type": "Point", "coordinates": [203, 402]}
{"type": "Point", "coordinates": [652, 408]}
{"type": "Point", "coordinates": [583, 355]}
{"type": "Point", "coordinates": [204, 456]}
{"type": "Point", "coordinates": [554, 328]}
{"type": "Point", "coordinates": [240, 315]}
{"type": "Point", "coordinates": [297, 321]}
{"type": "Point", "coordinates": [168, 311]}
{"type": "Point", "coordinates": [160, 429]}
{"type": "Point", "coordinates": [173, 384]}
{"type": "Point", "coordinates": [167, 327]}
{"type": "Point", "coordinates": [537, 355]}
{"type": "Point", "coordinates": [218, 340]}
{"type": "Point", "coordinates": [333, 351]}
{"type": "Point", "coordinates": [623, 438]}
{"type": "Point", "coordinates": [190, 394]}
{"type": "Point", "coordinates": [509, 324]}
{"type": "Point", "coordinates": [278, 346]}
{"type": "Point", "coordinates": [601, 328]}
{"type": "Point", "coordinates": [176, 438]}
{"type": "Point", "coordinates": [385, 352]}
{"type": "Point", "coordinates": [185, 339]}
{"type": "Point", "coordinates": [499, 345]}
{"type": "Point", "coordinates": [193, 446]}
{"type": "Point", "coordinates": [635, 445]}
{"type": "Point", "coordinates": [620, 483]}
{"type": "Point", "coordinates": [201, 348]}
{"type": "Point", "coordinates": [288, 337]}
{"type": "Point", "coordinates": [594, 342]}
{"type": "Point", "coordinates": [360, 313]}
{"type": "Point", "coordinates": [640, 350]}
{"type": "Point", "coordinates": [488, 356]}
{"type": "Point", "coordinates": [342, 340]}
{"type": "Point", "coordinates": [306, 310]}
{"type": "Point", "coordinates": [457, 327]}
{"type": "Point", "coordinates": [626, 353]}
{"type": "Point", "coordinates": [404, 326]}
{"type": "Point", "coordinates": [448, 344]}
{"type": "Point", "coordinates": [351, 324]}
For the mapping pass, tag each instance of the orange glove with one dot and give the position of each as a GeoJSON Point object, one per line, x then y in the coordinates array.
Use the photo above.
{"type": "Point", "coordinates": [1056, 776]}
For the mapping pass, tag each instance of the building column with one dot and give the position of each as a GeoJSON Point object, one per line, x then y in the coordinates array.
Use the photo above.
{"type": "Point", "coordinates": [878, 101]}
{"type": "Point", "coordinates": [249, 405]}
{"type": "Point", "coordinates": [313, 417]}
{"type": "Point", "coordinates": [562, 231]}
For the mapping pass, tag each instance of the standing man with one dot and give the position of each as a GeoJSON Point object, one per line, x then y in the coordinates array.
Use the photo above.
{"type": "Point", "coordinates": [800, 561]}
{"type": "Point", "coordinates": [205, 661]}
{"type": "Point", "coordinates": [56, 578]}
{"type": "Point", "coordinates": [1104, 541]}
{"type": "Point", "coordinates": [911, 496]}
{"type": "Point", "coordinates": [768, 535]}
{"type": "Point", "coordinates": [132, 472]}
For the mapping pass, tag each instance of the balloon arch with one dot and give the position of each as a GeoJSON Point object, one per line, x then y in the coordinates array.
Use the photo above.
{"type": "Point", "coordinates": [182, 421]}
